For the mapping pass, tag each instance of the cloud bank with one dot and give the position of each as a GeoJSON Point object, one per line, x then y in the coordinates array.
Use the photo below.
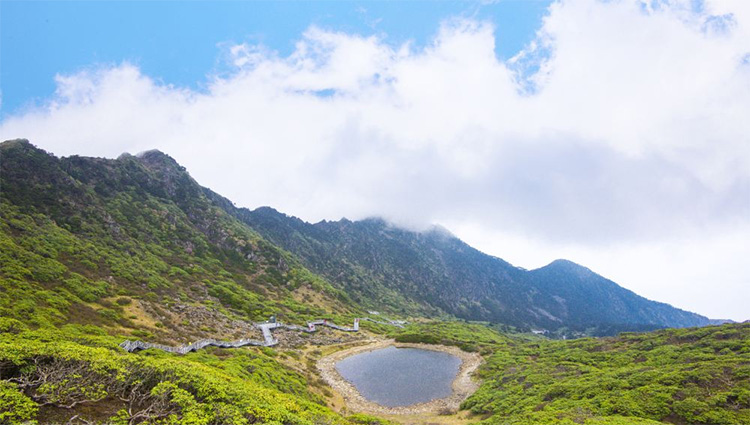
{"type": "Point", "coordinates": [623, 128]}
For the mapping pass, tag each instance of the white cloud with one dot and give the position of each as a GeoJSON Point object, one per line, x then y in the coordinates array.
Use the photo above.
{"type": "Point", "coordinates": [634, 139]}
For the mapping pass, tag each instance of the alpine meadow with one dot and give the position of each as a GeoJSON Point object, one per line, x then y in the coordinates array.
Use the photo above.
{"type": "Point", "coordinates": [375, 213]}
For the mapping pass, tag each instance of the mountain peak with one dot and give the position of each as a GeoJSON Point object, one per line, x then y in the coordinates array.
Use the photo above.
{"type": "Point", "coordinates": [17, 142]}
{"type": "Point", "coordinates": [566, 266]}
{"type": "Point", "coordinates": [441, 231]}
{"type": "Point", "coordinates": [267, 211]}
{"type": "Point", "coordinates": [428, 272]}
{"type": "Point", "coordinates": [155, 156]}
{"type": "Point", "coordinates": [22, 145]}
{"type": "Point", "coordinates": [561, 262]}
{"type": "Point", "coordinates": [152, 153]}
{"type": "Point", "coordinates": [162, 164]}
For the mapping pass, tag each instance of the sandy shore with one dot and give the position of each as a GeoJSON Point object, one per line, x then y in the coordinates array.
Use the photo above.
{"type": "Point", "coordinates": [463, 385]}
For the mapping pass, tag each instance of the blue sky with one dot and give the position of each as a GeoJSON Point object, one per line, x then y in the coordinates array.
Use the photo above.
{"type": "Point", "coordinates": [179, 42]}
{"type": "Point", "coordinates": [630, 155]}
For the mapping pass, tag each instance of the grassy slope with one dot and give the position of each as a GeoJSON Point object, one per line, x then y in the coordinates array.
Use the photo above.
{"type": "Point", "coordinates": [686, 376]}
{"type": "Point", "coordinates": [93, 251]}
{"type": "Point", "coordinates": [52, 374]}
{"type": "Point", "coordinates": [680, 376]}
{"type": "Point", "coordinates": [104, 242]}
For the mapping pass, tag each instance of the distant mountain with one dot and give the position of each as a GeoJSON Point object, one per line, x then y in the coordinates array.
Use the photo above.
{"type": "Point", "coordinates": [586, 298]}
{"type": "Point", "coordinates": [430, 272]}
{"type": "Point", "coordinates": [79, 233]}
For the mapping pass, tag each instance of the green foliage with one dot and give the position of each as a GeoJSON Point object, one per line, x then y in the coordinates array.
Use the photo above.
{"type": "Point", "coordinates": [83, 230]}
{"type": "Point", "coordinates": [13, 326]}
{"type": "Point", "coordinates": [434, 274]}
{"type": "Point", "coordinates": [62, 368]}
{"type": "Point", "coordinates": [260, 366]}
{"type": "Point", "coordinates": [85, 243]}
{"type": "Point", "coordinates": [15, 406]}
{"type": "Point", "coordinates": [235, 296]}
{"type": "Point", "coordinates": [696, 376]}
{"type": "Point", "coordinates": [620, 420]}
{"type": "Point", "coordinates": [363, 419]}
{"type": "Point", "coordinates": [467, 336]}
{"type": "Point", "coordinates": [124, 301]}
{"type": "Point", "coordinates": [85, 289]}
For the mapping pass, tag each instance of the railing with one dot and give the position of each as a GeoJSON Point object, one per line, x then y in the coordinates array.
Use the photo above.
{"type": "Point", "coordinates": [265, 328]}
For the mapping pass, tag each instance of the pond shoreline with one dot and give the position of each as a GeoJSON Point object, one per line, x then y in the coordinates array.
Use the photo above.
{"type": "Point", "coordinates": [463, 385]}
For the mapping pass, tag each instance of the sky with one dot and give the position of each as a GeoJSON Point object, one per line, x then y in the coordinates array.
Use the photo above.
{"type": "Point", "coordinates": [613, 133]}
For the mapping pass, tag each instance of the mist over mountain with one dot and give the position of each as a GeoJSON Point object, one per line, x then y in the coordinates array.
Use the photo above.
{"type": "Point", "coordinates": [150, 201]}
{"type": "Point", "coordinates": [383, 266]}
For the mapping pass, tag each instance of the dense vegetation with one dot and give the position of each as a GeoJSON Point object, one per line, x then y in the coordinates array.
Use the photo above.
{"type": "Point", "coordinates": [51, 371]}
{"type": "Point", "coordinates": [469, 337]}
{"type": "Point", "coordinates": [94, 251]}
{"type": "Point", "coordinates": [424, 273]}
{"type": "Point", "coordinates": [682, 376]}
{"type": "Point", "coordinates": [141, 226]}
{"type": "Point", "coordinates": [132, 245]}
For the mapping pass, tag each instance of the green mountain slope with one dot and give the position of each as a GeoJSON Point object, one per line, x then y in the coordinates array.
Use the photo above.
{"type": "Point", "coordinates": [133, 245]}
{"type": "Point", "coordinates": [94, 251]}
{"type": "Point", "coordinates": [389, 268]}
{"type": "Point", "coordinates": [155, 233]}
{"type": "Point", "coordinates": [80, 375]}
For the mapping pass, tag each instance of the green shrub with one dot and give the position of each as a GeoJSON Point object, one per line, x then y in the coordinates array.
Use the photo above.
{"type": "Point", "coordinates": [109, 314]}
{"type": "Point", "coordinates": [15, 407]}
{"type": "Point", "coordinates": [195, 389]}
{"type": "Point", "coordinates": [10, 325]}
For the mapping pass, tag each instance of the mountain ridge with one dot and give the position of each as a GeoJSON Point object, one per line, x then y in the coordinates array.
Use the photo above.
{"type": "Point", "coordinates": [299, 237]}
{"type": "Point", "coordinates": [375, 264]}
{"type": "Point", "coordinates": [133, 246]}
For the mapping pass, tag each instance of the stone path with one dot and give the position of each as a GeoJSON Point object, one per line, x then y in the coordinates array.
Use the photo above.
{"type": "Point", "coordinates": [265, 327]}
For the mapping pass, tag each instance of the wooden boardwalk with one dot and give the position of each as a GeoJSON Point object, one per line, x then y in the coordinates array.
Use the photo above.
{"type": "Point", "coordinates": [266, 329]}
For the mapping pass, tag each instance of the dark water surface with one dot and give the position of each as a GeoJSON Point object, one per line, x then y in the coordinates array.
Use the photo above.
{"type": "Point", "coordinates": [401, 376]}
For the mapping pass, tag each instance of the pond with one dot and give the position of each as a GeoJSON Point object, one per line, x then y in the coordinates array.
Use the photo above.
{"type": "Point", "coordinates": [396, 377]}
